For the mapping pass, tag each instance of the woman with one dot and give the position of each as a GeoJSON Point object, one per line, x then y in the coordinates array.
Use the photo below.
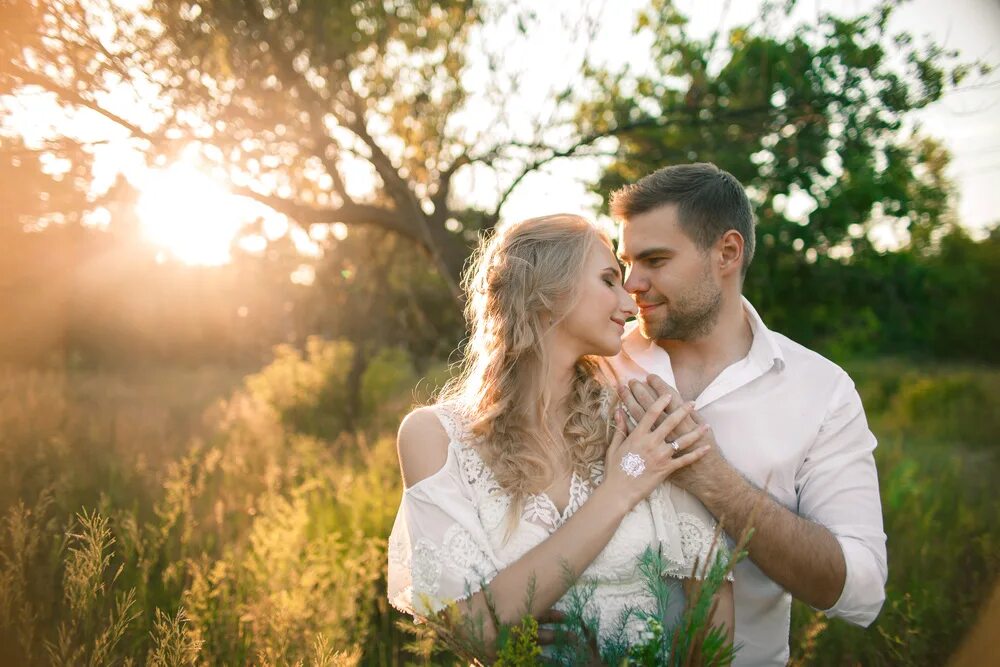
{"type": "Point", "coordinates": [520, 477]}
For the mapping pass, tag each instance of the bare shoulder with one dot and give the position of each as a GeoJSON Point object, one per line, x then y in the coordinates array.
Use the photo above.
{"type": "Point", "coordinates": [422, 444]}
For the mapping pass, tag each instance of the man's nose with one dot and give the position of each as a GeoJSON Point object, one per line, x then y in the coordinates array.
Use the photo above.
{"type": "Point", "coordinates": [635, 282]}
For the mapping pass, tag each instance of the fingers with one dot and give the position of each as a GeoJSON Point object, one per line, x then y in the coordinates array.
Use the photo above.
{"type": "Point", "coordinates": [642, 393]}
{"type": "Point", "coordinates": [687, 459]}
{"type": "Point", "coordinates": [645, 424]}
{"type": "Point", "coordinates": [551, 616]}
{"type": "Point", "coordinates": [659, 385]}
{"type": "Point", "coordinates": [620, 431]}
{"type": "Point", "coordinates": [689, 438]}
{"type": "Point", "coordinates": [673, 420]}
{"type": "Point", "coordinates": [631, 406]}
{"type": "Point", "coordinates": [546, 636]}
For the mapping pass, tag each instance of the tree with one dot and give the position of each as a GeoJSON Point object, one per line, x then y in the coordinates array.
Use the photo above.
{"type": "Point", "coordinates": [812, 119]}
{"type": "Point", "coordinates": [295, 99]}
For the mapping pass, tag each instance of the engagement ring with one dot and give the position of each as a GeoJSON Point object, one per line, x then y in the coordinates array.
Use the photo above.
{"type": "Point", "coordinates": [675, 446]}
{"type": "Point", "coordinates": [633, 465]}
{"type": "Point", "coordinates": [629, 418]}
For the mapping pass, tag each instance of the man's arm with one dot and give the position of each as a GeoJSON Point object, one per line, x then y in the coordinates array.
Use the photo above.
{"type": "Point", "coordinates": [831, 554]}
{"type": "Point", "coordinates": [802, 557]}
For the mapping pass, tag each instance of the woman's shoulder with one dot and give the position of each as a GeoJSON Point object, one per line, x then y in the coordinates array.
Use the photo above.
{"type": "Point", "coordinates": [422, 444]}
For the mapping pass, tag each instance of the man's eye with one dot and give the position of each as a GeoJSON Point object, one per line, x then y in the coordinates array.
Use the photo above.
{"type": "Point", "coordinates": [654, 262]}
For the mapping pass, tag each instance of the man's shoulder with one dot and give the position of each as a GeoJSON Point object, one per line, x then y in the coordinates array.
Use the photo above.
{"type": "Point", "coordinates": [801, 360]}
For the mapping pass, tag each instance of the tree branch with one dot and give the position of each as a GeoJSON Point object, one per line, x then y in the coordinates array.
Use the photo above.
{"type": "Point", "coordinates": [349, 213]}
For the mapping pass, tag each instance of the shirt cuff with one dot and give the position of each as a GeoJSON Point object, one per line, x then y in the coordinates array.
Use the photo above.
{"type": "Point", "coordinates": [864, 586]}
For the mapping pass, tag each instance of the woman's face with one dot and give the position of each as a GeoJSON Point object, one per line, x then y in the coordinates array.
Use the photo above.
{"type": "Point", "coordinates": [596, 322]}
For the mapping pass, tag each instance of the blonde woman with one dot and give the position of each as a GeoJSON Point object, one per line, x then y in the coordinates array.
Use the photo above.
{"type": "Point", "coordinates": [521, 475]}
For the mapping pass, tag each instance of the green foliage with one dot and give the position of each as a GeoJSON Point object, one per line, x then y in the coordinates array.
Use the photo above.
{"type": "Point", "coordinates": [519, 645]}
{"type": "Point", "coordinates": [308, 391]}
{"type": "Point", "coordinates": [257, 544]}
{"type": "Point", "coordinates": [577, 636]}
{"type": "Point", "coordinates": [940, 513]}
{"type": "Point", "coordinates": [386, 389]}
{"type": "Point", "coordinates": [809, 119]}
{"type": "Point", "coordinates": [244, 541]}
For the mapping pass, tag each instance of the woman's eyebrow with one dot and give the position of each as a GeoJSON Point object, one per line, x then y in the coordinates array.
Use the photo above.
{"type": "Point", "coordinates": [613, 269]}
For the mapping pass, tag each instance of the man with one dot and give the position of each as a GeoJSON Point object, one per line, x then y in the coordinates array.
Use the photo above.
{"type": "Point", "coordinates": [791, 434]}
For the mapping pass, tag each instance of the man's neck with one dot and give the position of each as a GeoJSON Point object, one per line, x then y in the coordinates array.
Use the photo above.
{"type": "Point", "coordinates": [728, 341]}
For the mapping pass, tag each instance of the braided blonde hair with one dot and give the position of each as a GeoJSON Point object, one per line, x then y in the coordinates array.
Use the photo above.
{"type": "Point", "coordinates": [522, 280]}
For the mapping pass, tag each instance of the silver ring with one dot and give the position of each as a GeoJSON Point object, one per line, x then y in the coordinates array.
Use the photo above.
{"type": "Point", "coordinates": [629, 418]}
{"type": "Point", "coordinates": [633, 464]}
{"type": "Point", "coordinates": [675, 446]}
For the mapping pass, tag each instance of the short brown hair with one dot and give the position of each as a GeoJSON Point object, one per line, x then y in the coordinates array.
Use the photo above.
{"type": "Point", "coordinates": [710, 202]}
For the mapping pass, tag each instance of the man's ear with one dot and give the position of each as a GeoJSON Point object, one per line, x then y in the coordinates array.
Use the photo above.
{"type": "Point", "coordinates": [730, 252]}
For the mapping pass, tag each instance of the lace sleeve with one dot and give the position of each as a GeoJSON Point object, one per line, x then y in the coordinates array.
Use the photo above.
{"type": "Point", "coordinates": [687, 533]}
{"type": "Point", "coordinates": [438, 549]}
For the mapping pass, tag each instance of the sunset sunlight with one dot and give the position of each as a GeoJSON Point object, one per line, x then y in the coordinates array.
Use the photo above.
{"type": "Point", "coordinates": [271, 271]}
{"type": "Point", "coordinates": [188, 215]}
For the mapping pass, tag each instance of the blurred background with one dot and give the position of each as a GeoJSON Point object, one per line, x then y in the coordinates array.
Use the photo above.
{"type": "Point", "coordinates": [231, 242]}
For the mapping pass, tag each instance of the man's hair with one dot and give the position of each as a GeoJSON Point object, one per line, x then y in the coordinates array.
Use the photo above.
{"type": "Point", "coordinates": [709, 201]}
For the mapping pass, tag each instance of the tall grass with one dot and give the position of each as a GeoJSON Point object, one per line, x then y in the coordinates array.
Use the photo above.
{"type": "Point", "coordinates": [938, 462]}
{"type": "Point", "coordinates": [203, 518]}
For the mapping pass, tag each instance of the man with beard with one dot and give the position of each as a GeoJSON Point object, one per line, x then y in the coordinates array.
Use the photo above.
{"type": "Point", "coordinates": [794, 452]}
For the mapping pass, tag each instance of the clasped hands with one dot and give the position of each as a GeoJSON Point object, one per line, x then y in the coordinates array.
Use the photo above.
{"type": "Point", "coordinates": [638, 397]}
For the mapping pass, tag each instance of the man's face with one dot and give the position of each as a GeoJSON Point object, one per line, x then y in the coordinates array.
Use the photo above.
{"type": "Point", "coordinates": [678, 293]}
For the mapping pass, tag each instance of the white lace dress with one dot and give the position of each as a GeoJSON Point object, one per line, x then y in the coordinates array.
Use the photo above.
{"type": "Point", "coordinates": [450, 537]}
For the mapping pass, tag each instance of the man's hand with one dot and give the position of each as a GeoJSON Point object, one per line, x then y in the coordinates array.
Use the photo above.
{"type": "Point", "coordinates": [802, 556]}
{"type": "Point", "coordinates": [638, 396]}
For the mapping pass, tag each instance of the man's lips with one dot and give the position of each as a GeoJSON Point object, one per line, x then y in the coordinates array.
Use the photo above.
{"type": "Point", "coordinates": [647, 307]}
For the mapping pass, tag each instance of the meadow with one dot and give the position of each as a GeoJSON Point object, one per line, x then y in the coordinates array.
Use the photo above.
{"type": "Point", "coordinates": [226, 516]}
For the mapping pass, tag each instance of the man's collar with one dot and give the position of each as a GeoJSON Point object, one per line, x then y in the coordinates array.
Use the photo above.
{"type": "Point", "coordinates": [765, 349]}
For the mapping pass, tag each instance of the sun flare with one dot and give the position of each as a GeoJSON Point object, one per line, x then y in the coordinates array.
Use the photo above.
{"type": "Point", "coordinates": [188, 215]}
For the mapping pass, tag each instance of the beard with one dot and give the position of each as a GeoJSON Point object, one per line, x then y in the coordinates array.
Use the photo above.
{"type": "Point", "coordinates": [690, 316]}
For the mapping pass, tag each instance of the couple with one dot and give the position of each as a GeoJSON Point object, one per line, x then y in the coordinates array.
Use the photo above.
{"type": "Point", "coordinates": [558, 450]}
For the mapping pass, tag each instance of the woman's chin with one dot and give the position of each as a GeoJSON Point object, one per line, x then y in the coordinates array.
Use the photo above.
{"type": "Point", "coordinates": [609, 350]}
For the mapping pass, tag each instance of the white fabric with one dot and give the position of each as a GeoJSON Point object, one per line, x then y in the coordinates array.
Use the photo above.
{"type": "Point", "coordinates": [791, 421]}
{"type": "Point", "coordinates": [450, 537]}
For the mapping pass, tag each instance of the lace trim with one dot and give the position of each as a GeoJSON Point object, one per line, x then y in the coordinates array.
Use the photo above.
{"type": "Point", "coordinates": [697, 539]}
{"type": "Point", "coordinates": [539, 508]}
{"type": "Point", "coordinates": [459, 555]}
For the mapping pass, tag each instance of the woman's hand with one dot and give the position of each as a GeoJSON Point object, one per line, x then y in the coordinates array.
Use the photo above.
{"type": "Point", "coordinates": [638, 462]}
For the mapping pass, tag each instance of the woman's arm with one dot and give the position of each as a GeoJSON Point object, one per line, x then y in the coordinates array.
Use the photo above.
{"type": "Point", "coordinates": [548, 570]}
{"type": "Point", "coordinates": [725, 611]}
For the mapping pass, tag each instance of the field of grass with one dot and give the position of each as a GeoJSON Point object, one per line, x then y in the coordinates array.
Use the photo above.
{"type": "Point", "coordinates": [208, 517]}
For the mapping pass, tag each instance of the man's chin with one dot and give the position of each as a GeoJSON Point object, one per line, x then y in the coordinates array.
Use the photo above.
{"type": "Point", "coordinates": [649, 329]}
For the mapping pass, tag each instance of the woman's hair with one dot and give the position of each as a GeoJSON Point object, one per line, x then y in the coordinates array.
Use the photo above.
{"type": "Point", "coordinates": [521, 281]}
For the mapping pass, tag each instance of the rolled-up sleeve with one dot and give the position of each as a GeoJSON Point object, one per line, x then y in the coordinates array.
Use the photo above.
{"type": "Point", "coordinates": [837, 487]}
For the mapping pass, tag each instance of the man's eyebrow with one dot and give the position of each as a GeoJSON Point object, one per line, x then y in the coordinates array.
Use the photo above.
{"type": "Point", "coordinates": [648, 252]}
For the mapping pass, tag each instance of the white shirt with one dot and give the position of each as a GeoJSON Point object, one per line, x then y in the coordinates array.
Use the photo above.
{"type": "Point", "coordinates": [790, 420]}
